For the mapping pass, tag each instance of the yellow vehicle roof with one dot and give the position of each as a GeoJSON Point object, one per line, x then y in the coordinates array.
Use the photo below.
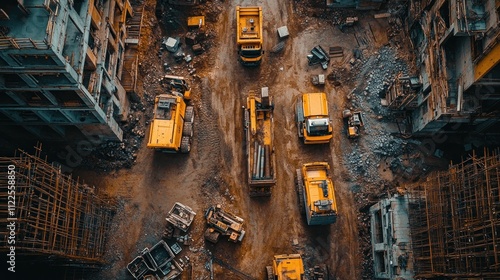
{"type": "Point", "coordinates": [161, 133]}
{"type": "Point", "coordinates": [162, 130]}
{"type": "Point", "coordinates": [248, 30]}
{"type": "Point", "coordinates": [319, 187]}
{"type": "Point", "coordinates": [289, 266]}
{"type": "Point", "coordinates": [315, 104]}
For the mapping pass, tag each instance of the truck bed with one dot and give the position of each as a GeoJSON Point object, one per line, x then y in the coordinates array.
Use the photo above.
{"type": "Point", "coordinates": [261, 160]}
{"type": "Point", "coordinates": [249, 24]}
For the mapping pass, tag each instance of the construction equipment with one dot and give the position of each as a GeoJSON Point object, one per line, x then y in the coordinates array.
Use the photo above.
{"type": "Point", "coordinates": [287, 266]}
{"type": "Point", "coordinates": [354, 122]}
{"type": "Point", "coordinates": [223, 223]}
{"type": "Point", "coordinates": [180, 216]}
{"type": "Point", "coordinates": [171, 129]}
{"type": "Point", "coordinates": [313, 122]}
{"type": "Point", "coordinates": [155, 263]}
{"type": "Point", "coordinates": [318, 272]}
{"type": "Point", "coordinates": [316, 193]}
{"type": "Point", "coordinates": [259, 125]}
{"type": "Point", "coordinates": [249, 35]}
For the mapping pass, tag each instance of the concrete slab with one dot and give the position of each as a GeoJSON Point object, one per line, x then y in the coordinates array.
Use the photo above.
{"type": "Point", "coordinates": [283, 32]}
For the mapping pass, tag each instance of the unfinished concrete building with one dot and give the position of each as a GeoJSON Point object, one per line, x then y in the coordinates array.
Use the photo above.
{"type": "Point", "coordinates": [454, 223]}
{"type": "Point", "coordinates": [59, 221]}
{"type": "Point", "coordinates": [458, 80]}
{"type": "Point", "coordinates": [67, 67]}
{"type": "Point", "coordinates": [390, 235]}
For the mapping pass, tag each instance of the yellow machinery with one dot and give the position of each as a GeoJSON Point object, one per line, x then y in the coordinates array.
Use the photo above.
{"type": "Point", "coordinates": [249, 35]}
{"type": "Point", "coordinates": [259, 127]}
{"type": "Point", "coordinates": [286, 267]}
{"type": "Point", "coordinates": [316, 193]}
{"type": "Point", "coordinates": [313, 122]}
{"type": "Point", "coordinates": [354, 122]}
{"type": "Point", "coordinates": [171, 129]}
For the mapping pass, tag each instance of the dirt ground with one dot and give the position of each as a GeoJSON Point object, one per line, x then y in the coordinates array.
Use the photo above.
{"type": "Point", "coordinates": [215, 172]}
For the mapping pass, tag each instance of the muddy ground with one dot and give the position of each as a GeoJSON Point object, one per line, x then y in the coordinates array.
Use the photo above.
{"type": "Point", "coordinates": [215, 173]}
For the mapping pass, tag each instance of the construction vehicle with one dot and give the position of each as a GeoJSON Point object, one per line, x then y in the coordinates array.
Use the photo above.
{"type": "Point", "coordinates": [249, 35]}
{"type": "Point", "coordinates": [180, 216]}
{"type": "Point", "coordinates": [313, 122]}
{"type": "Point", "coordinates": [316, 193]}
{"type": "Point", "coordinates": [155, 263]}
{"type": "Point", "coordinates": [354, 123]}
{"type": "Point", "coordinates": [259, 125]}
{"type": "Point", "coordinates": [171, 129]}
{"type": "Point", "coordinates": [223, 223]}
{"type": "Point", "coordinates": [287, 266]}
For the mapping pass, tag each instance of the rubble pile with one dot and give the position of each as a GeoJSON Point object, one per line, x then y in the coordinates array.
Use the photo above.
{"type": "Point", "coordinates": [374, 75]}
{"type": "Point", "coordinates": [115, 155]}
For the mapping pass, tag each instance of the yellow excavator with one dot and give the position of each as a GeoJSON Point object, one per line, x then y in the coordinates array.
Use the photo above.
{"type": "Point", "coordinates": [313, 122]}
{"type": "Point", "coordinates": [171, 129]}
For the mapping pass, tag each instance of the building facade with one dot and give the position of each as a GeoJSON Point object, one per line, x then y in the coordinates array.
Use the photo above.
{"type": "Point", "coordinates": [63, 67]}
{"type": "Point", "coordinates": [457, 84]}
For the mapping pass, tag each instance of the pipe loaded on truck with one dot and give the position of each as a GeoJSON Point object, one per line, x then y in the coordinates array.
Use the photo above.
{"type": "Point", "coordinates": [249, 35]}
{"type": "Point", "coordinates": [261, 161]}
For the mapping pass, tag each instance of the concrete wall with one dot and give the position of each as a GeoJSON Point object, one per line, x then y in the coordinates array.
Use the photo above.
{"type": "Point", "coordinates": [390, 236]}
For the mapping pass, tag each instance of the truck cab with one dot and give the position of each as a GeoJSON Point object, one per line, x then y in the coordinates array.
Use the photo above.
{"type": "Point", "coordinates": [313, 121]}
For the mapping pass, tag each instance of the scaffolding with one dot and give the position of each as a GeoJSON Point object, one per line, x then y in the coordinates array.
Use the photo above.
{"type": "Point", "coordinates": [455, 220]}
{"type": "Point", "coordinates": [55, 215]}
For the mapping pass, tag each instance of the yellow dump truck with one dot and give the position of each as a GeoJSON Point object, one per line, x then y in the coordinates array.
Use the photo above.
{"type": "Point", "coordinates": [286, 267]}
{"type": "Point", "coordinates": [249, 35]}
{"type": "Point", "coordinates": [171, 129]}
{"type": "Point", "coordinates": [316, 193]}
{"type": "Point", "coordinates": [261, 162]}
{"type": "Point", "coordinates": [313, 122]}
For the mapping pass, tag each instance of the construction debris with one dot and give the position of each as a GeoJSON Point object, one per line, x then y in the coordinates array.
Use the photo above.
{"type": "Point", "coordinates": [159, 261]}
{"type": "Point", "coordinates": [318, 80]}
{"type": "Point", "coordinates": [319, 56]}
{"type": "Point", "coordinates": [196, 21]}
{"type": "Point", "coordinates": [223, 223]}
{"type": "Point", "coordinates": [336, 51]}
{"type": "Point", "coordinates": [382, 15]}
{"type": "Point", "coordinates": [171, 44]}
{"type": "Point", "coordinates": [283, 32]}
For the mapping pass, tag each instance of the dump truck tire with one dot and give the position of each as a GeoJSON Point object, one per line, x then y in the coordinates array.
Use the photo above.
{"type": "Point", "coordinates": [187, 130]}
{"type": "Point", "coordinates": [189, 116]}
{"type": "Point", "coordinates": [278, 47]}
{"type": "Point", "coordinates": [185, 144]}
{"type": "Point", "coordinates": [300, 190]}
